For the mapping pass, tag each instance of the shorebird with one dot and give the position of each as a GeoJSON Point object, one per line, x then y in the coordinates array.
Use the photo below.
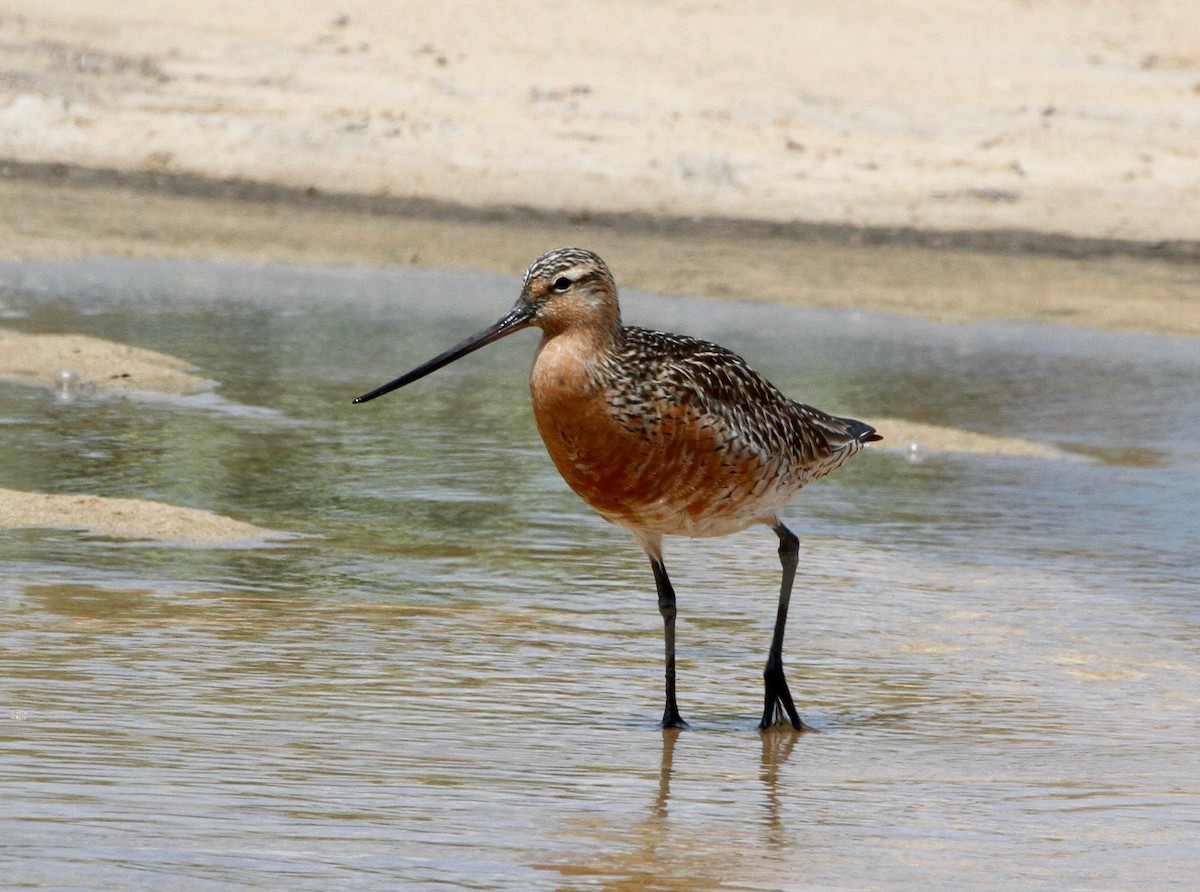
{"type": "Point", "coordinates": [662, 434]}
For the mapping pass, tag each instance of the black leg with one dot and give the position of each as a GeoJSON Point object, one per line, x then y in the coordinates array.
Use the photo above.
{"type": "Point", "coordinates": [777, 699]}
{"type": "Point", "coordinates": [666, 606]}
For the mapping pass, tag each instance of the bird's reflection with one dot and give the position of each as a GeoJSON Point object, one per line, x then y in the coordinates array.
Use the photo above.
{"type": "Point", "coordinates": [777, 745]}
{"type": "Point", "coordinates": [669, 736]}
{"type": "Point", "coordinates": [668, 857]}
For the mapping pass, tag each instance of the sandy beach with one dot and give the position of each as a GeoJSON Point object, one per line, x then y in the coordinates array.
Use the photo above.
{"type": "Point", "coordinates": [867, 154]}
{"type": "Point", "coordinates": [1063, 117]}
{"type": "Point", "coordinates": [781, 152]}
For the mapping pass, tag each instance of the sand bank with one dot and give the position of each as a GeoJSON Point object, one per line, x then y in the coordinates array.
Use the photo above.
{"type": "Point", "coordinates": [128, 519]}
{"type": "Point", "coordinates": [919, 440]}
{"type": "Point", "coordinates": [1053, 117]}
{"type": "Point", "coordinates": [76, 364]}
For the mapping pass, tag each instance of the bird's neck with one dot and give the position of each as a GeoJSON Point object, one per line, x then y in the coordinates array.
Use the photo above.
{"type": "Point", "coordinates": [594, 335]}
{"type": "Point", "coordinates": [574, 359]}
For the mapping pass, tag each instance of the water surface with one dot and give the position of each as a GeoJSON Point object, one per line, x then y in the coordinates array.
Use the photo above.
{"type": "Point", "coordinates": [454, 681]}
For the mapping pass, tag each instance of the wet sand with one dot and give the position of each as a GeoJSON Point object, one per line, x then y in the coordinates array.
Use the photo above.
{"type": "Point", "coordinates": [919, 440]}
{"type": "Point", "coordinates": [138, 519]}
{"type": "Point", "coordinates": [68, 213]}
{"type": "Point", "coordinates": [82, 364]}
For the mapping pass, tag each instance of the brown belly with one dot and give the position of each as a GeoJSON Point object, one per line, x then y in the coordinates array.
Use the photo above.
{"type": "Point", "coordinates": [676, 475]}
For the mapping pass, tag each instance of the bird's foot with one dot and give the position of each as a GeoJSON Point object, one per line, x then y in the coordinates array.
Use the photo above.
{"type": "Point", "coordinates": [672, 719]}
{"type": "Point", "coordinates": [776, 718]}
{"type": "Point", "coordinates": [778, 708]}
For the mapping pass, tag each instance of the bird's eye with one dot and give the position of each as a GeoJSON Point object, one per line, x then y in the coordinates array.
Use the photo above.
{"type": "Point", "coordinates": [561, 284]}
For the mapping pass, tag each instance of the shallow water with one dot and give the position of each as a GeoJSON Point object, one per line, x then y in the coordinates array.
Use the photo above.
{"type": "Point", "coordinates": [454, 682]}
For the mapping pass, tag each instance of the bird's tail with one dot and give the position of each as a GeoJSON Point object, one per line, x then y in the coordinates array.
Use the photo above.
{"type": "Point", "coordinates": [860, 430]}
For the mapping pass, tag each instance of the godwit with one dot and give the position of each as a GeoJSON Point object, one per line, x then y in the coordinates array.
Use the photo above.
{"type": "Point", "coordinates": [663, 434]}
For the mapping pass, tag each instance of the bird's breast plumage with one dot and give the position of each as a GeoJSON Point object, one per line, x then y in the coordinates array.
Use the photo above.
{"type": "Point", "coordinates": [675, 435]}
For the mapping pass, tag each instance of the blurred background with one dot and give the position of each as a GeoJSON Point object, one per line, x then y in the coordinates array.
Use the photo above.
{"type": "Point", "coordinates": [1061, 117]}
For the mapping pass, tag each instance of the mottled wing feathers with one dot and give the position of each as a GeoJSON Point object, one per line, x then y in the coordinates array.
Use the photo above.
{"type": "Point", "coordinates": [714, 386]}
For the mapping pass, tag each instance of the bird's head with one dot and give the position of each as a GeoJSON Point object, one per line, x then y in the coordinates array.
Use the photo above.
{"type": "Point", "coordinates": [564, 289]}
{"type": "Point", "coordinates": [569, 288]}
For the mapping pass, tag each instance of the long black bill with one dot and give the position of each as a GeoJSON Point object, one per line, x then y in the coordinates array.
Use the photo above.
{"type": "Point", "coordinates": [518, 317]}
